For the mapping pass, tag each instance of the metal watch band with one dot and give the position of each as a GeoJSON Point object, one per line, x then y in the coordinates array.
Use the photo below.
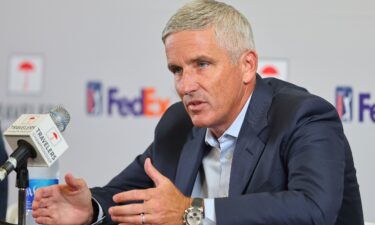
{"type": "Point", "coordinates": [197, 202]}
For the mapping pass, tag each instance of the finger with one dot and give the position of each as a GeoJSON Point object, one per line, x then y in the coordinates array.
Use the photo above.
{"type": "Point", "coordinates": [40, 199]}
{"type": "Point", "coordinates": [43, 193]}
{"type": "Point", "coordinates": [153, 219]}
{"type": "Point", "coordinates": [35, 205]}
{"type": "Point", "coordinates": [133, 224]}
{"type": "Point", "coordinates": [43, 203]}
{"type": "Point", "coordinates": [41, 212]}
{"type": "Point", "coordinates": [127, 210]}
{"type": "Point", "coordinates": [135, 219]}
{"type": "Point", "coordinates": [44, 220]}
{"type": "Point", "coordinates": [153, 173]}
{"type": "Point", "coordinates": [73, 183]}
{"type": "Point", "coordinates": [133, 195]}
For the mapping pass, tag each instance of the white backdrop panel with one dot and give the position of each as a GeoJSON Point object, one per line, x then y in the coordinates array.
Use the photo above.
{"type": "Point", "coordinates": [118, 43]}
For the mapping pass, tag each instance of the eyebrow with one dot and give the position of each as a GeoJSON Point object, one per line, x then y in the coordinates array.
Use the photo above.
{"type": "Point", "coordinates": [172, 67]}
{"type": "Point", "coordinates": [199, 58]}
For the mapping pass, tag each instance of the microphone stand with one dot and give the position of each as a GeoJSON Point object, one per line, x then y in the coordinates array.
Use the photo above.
{"type": "Point", "coordinates": [22, 183]}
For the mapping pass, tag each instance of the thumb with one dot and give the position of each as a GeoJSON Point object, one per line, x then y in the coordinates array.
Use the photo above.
{"type": "Point", "coordinates": [153, 173]}
{"type": "Point", "coordinates": [74, 184]}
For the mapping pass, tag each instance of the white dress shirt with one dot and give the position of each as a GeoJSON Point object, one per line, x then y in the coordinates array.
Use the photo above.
{"type": "Point", "coordinates": [213, 178]}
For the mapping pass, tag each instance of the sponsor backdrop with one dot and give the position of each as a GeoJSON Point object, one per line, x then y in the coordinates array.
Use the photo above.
{"type": "Point", "coordinates": [105, 62]}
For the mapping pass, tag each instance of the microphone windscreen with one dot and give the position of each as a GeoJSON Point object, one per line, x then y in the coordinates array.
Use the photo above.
{"type": "Point", "coordinates": [60, 117]}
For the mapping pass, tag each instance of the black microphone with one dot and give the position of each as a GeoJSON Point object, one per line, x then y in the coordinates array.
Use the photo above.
{"type": "Point", "coordinates": [36, 138]}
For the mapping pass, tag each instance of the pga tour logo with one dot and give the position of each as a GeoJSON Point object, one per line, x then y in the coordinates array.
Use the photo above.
{"type": "Point", "coordinates": [345, 100]}
{"type": "Point", "coordinates": [344, 103]}
{"type": "Point", "coordinates": [94, 98]}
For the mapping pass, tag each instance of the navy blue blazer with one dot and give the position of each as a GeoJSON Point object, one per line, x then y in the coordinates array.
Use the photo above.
{"type": "Point", "coordinates": [292, 164]}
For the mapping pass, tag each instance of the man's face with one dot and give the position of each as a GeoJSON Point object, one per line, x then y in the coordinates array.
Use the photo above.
{"type": "Point", "coordinates": [212, 88]}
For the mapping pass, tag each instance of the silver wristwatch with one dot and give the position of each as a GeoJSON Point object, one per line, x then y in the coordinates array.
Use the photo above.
{"type": "Point", "coordinates": [194, 215]}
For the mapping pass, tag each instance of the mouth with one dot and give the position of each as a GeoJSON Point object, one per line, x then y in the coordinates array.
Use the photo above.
{"type": "Point", "coordinates": [195, 105]}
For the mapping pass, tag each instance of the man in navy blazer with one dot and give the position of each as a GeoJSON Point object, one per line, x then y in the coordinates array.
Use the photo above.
{"type": "Point", "coordinates": [238, 149]}
{"type": "Point", "coordinates": [292, 163]}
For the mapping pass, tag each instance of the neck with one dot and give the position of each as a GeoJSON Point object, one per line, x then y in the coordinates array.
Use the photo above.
{"type": "Point", "coordinates": [218, 131]}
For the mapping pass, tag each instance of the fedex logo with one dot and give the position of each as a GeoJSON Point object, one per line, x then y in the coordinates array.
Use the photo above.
{"type": "Point", "coordinates": [147, 103]}
{"type": "Point", "coordinates": [366, 107]}
{"type": "Point", "coordinates": [344, 105]}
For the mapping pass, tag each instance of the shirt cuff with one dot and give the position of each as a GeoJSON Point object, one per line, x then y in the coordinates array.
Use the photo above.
{"type": "Point", "coordinates": [209, 211]}
{"type": "Point", "coordinates": [101, 215]}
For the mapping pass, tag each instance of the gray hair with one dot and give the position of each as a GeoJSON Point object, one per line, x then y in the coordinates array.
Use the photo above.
{"type": "Point", "coordinates": [232, 29]}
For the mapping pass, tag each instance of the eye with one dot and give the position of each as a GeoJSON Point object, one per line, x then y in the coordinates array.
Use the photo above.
{"type": "Point", "coordinates": [176, 70]}
{"type": "Point", "coordinates": [203, 64]}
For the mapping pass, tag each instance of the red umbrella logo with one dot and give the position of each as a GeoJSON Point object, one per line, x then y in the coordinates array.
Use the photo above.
{"type": "Point", "coordinates": [31, 119]}
{"type": "Point", "coordinates": [26, 69]}
{"type": "Point", "coordinates": [55, 136]}
{"type": "Point", "coordinates": [269, 71]}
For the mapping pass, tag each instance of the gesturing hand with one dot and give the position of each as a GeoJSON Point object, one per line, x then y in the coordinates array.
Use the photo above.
{"type": "Point", "coordinates": [164, 204]}
{"type": "Point", "coordinates": [64, 204]}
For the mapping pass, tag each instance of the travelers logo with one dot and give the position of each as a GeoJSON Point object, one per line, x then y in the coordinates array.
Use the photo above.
{"type": "Point", "coordinates": [25, 74]}
{"type": "Point", "coordinates": [277, 68]}
{"type": "Point", "coordinates": [53, 137]}
{"type": "Point", "coordinates": [30, 119]}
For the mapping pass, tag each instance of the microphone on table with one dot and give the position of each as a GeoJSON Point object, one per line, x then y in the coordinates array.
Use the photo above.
{"type": "Point", "coordinates": [36, 139]}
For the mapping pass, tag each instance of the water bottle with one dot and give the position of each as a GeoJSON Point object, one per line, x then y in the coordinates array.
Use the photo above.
{"type": "Point", "coordinates": [39, 177]}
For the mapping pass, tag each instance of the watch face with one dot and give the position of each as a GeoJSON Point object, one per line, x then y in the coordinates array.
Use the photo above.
{"type": "Point", "coordinates": [194, 217]}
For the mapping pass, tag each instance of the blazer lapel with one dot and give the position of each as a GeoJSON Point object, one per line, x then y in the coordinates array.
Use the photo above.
{"type": "Point", "coordinates": [249, 147]}
{"type": "Point", "coordinates": [190, 161]}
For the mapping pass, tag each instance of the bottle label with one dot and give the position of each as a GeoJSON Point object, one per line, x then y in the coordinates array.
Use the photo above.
{"type": "Point", "coordinates": [34, 184]}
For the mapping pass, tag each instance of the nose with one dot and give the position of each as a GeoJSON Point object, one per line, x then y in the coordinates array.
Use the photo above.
{"type": "Point", "coordinates": [188, 83]}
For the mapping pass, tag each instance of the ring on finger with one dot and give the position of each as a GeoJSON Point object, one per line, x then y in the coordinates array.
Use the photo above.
{"type": "Point", "coordinates": [142, 218]}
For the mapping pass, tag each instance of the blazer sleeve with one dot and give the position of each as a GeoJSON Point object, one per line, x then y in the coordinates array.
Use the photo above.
{"type": "Point", "coordinates": [314, 162]}
{"type": "Point", "coordinates": [132, 177]}
{"type": "Point", "coordinates": [170, 135]}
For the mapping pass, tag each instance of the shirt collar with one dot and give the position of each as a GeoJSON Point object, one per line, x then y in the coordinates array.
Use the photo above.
{"type": "Point", "coordinates": [233, 130]}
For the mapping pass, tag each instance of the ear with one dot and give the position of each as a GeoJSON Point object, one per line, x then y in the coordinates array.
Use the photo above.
{"type": "Point", "coordinates": [249, 64]}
